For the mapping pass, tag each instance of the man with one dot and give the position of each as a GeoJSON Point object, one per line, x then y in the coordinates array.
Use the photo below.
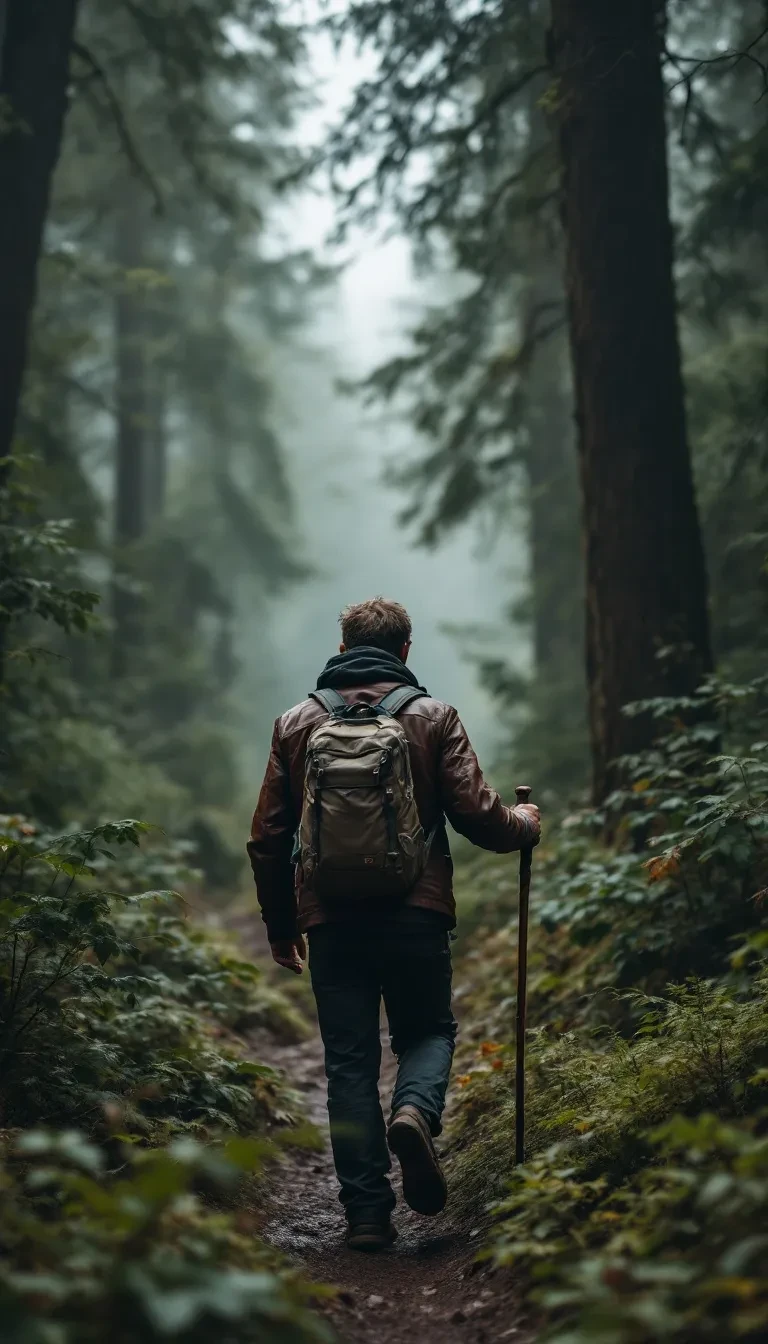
{"type": "Point", "coordinates": [399, 950]}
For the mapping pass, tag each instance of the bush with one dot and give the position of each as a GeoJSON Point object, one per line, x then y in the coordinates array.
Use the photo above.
{"type": "Point", "coordinates": [110, 1002]}
{"type": "Point", "coordinates": [132, 1255]}
{"type": "Point", "coordinates": [640, 1212]}
{"type": "Point", "coordinates": [687, 1260]}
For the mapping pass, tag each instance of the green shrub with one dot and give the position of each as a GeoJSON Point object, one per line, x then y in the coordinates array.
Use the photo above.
{"type": "Point", "coordinates": [640, 1213]}
{"type": "Point", "coordinates": [110, 1003]}
{"type": "Point", "coordinates": [133, 1255]}
{"type": "Point", "coordinates": [595, 1096]}
{"type": "Point", "coordinates": [687, 1257]}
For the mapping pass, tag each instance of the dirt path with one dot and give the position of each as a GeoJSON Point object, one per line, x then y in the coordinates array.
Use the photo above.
{"type": "Point", "coordinates": [426, 1287]}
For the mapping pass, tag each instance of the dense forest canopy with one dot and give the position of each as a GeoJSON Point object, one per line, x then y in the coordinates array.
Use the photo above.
{"type": "Point", "coordinates": [582, 187]}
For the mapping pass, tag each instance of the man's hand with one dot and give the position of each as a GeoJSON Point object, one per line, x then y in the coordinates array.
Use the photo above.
{"type": "Point", "coordinates": [533, 816]}
{"type": "Point", "coordinates": [290, 954]}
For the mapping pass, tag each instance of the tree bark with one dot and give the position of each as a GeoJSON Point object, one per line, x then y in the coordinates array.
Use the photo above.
{"type": "Point", "coordinates": [645, 573]}
{"type": "Point", "coordinates": [34, 71]}
{"type": "Point", "coordinates": [157, 445]}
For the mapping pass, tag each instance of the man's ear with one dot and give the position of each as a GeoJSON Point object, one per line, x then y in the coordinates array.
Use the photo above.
{"type": "Point", "coordinates": [406, 649]}
{"type": "Point", "coordinates": [342, 648]}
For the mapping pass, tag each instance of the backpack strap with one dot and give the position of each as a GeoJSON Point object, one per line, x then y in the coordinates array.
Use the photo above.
{"type": "Point", "coordinates": [331, 701]}
{"type": "Point", "coordinates": [396, 700]}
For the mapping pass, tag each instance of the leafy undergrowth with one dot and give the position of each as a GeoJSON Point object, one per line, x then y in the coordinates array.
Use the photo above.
{"type": "Point", "coordinates": [133, 1253]}
{"type": "Point", "coordinates": [125, 1088]}
{"type": "Point", "coordinates": [641, 1211]}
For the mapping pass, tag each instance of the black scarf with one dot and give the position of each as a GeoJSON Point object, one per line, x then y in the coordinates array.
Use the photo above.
{"type": "Point", "coordinates": [363, 665]}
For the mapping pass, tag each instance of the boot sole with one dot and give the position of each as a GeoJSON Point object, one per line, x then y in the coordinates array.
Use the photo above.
{"type": "Point", "coordinates": [370, 1241]}
{"type": "Point", "coordinates": [424, 1185]}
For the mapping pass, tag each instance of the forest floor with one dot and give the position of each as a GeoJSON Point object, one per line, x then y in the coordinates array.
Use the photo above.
{"type": "Point", "coordinates": [429, 1285]}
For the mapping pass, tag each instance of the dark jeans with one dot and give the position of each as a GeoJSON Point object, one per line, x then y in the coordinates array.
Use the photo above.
{"type": "Point", "coordinates": [407, 962]}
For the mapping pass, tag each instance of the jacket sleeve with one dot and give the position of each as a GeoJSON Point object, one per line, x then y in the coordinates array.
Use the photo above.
{"type": "Point", "coordinates": [472, 807]}
{"type": "Point", "coordinates": [271, 845]}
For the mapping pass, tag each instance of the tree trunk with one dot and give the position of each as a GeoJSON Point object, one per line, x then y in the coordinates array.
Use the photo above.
{"type": "Point", "coordinates": [131, 412]}
{"type": "Point", "coordinates": [34, 71]}
{"type": "Point", "coordinates": [558, 694]}
{"type": "Point", "coordinates": [647, 619]}
{"type": "Point", "coordinates": [157, 445]}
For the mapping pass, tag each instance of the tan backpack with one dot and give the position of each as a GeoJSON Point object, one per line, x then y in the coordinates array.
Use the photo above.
{"type": "Point", "coordinates": [360, 836]}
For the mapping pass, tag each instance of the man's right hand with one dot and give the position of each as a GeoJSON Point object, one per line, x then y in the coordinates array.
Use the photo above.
{"type": "Point", "coordinates": [290, 954]}
{"type": "Point", "coordinates": [532, 815]}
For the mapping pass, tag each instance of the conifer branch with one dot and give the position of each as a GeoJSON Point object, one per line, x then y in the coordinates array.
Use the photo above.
{"type": "Point", "coordinates": [127, 141]}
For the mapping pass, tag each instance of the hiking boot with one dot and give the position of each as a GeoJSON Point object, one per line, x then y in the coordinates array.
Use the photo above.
{"type": "Point", "coordinates": [409, 1138]}
{"type": "Point", "coordinates": [370, 1236]}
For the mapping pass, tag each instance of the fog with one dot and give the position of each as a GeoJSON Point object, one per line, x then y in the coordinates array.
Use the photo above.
{"type": "Point", "coordinates": [338, 452]}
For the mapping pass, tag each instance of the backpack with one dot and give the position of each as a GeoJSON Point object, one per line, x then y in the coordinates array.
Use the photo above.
{"type": "Point", "coordinates": [360, 836]}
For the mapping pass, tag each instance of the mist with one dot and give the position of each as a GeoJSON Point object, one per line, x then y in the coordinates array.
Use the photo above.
{"type": "Point", "coordinates": [338, 454]}
{"type": "Point", "coordinates": [347, 516]}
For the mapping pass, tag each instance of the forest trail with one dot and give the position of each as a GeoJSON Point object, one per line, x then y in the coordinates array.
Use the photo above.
{"type": "Point", "coordinates": [428, 1286]}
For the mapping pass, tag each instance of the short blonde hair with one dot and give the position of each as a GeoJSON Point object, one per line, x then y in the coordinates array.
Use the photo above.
{"type": "Point", "coordinates": [380, 622]}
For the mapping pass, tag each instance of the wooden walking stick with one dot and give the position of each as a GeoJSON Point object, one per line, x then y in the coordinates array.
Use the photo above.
{"type": "Point", "coordinates": [523, 793]}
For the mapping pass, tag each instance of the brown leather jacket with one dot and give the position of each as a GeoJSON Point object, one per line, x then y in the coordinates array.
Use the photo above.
{"type": "Point", "coordinates": [448, 782]}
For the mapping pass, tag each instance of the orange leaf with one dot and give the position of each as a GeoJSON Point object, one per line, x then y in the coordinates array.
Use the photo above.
{"type": "Point", "coordinates": [663, 865]}
{"type": "Point", "coordinates": [497, 1063]}
{"type": "Point", "coordinates": [490, 1048]}
{"type": "Point", "coordinates": [463, 1079]}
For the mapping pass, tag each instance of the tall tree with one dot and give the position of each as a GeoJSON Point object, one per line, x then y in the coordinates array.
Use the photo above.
{"type": "Point", "coordinates": [131, 415]}
{"type": "Point", "coordinates": [647, 620]}
{"type": "Point", "coordinates": [34, 70]}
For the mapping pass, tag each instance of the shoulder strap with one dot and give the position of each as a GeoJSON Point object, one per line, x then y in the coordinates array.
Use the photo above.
{"type": "Point", "coordinates": [331, 701]}
{"type": "Point", "coordinates": [396, 700]}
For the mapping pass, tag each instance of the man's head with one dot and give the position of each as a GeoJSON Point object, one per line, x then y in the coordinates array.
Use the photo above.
{"type": "Point", "coordinates": [379, 623]}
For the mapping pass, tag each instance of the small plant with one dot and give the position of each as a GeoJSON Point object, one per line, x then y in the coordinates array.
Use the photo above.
{"type": "Point", "coordinates": [640, 1213]}
{"type": "Point", "coordinates": [110, 1003]}
{"type": "Point", "coordinates": [686, 1258]}
{"type": "Point", "coordinates": [132, 1254]}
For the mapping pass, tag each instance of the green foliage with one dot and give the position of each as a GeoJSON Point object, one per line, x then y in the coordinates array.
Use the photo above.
{"type": "Point", "coordinates": [703, 820]}
{"type": "Point", "coordinates": [118, 1014]}
{"type": "Point", "coordinates": [132, 1254]}
{"type": "Point", "coordinates": [640, 1211]}
{"type": "Point", "coordinates": [36, 553]}
{"type": "Point", "coordinates": [688, 1262]}
{"type": "Point", "coordinates": [111, 1008]}
{"type": "Point", "coordinates": [595, 1095]}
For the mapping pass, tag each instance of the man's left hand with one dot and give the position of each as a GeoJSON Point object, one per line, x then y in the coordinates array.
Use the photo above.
{"type": "Point", "coordinates": [290, 954]}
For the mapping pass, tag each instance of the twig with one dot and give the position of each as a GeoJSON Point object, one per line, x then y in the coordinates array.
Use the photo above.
{"type": "Point", "coordinates": [733, 55]}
